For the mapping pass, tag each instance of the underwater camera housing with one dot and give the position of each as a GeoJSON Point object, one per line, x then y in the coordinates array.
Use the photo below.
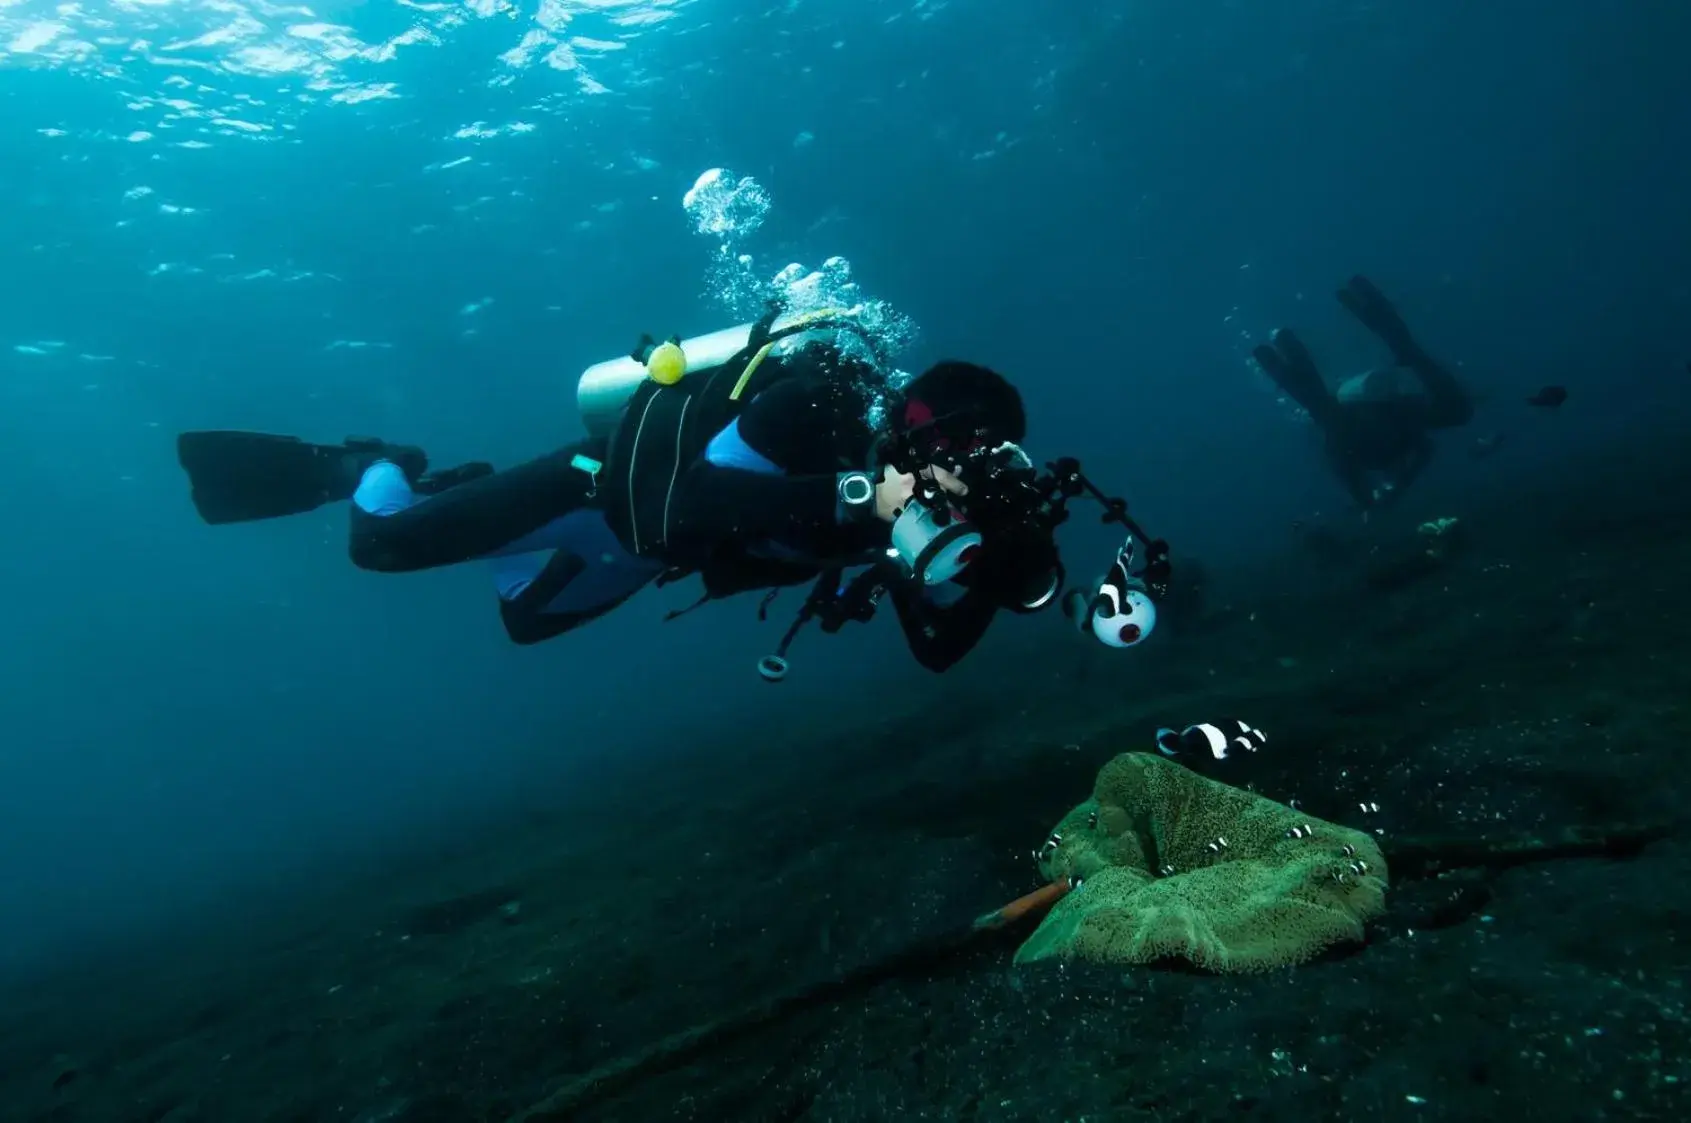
{"type": "Point", "coordinates": [1001, 517]}
{"type": "Point", "coordinates": [933, 541]}
{"type": "Point", "coordinates": [1009, 505]}
{"type": "Point", "coordinates": [1008, 501]}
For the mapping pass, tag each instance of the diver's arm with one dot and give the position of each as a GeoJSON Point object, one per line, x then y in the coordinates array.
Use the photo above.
{"type": "Point", "coordinates": [1355, 481]}
{"type": "Point", "coordinates": [1021, 574]}
{"type": "Point", "coordinates": [715, 500]}
{"type": "Point", "coordinates": [940, 636]}
{"type": "Point", "coordinates": [713, 503]}
{"type": "Point", "coordinates": [1448, 404]}
{"type": "Point", "coordinates": [1414, 463]}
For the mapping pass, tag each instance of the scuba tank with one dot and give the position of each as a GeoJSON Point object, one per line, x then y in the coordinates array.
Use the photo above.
{"type": "Point", "coordinates": [604, 390]}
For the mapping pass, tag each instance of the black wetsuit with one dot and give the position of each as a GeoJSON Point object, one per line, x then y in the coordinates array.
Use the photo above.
{"type": "Point", "coordinates": [757, 509]}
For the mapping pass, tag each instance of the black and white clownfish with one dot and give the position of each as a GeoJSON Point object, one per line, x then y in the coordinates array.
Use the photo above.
{"type": "Point", "coordinates": [1218, 739]}
{"type": "Point", "coordinates": [1121, 612]}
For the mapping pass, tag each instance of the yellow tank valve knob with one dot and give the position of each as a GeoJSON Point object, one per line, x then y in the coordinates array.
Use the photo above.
{"type": "Point", "coordinates": [666, 364]}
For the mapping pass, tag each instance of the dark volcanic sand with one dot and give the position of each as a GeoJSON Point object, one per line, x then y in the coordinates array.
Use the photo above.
{"type": "Point", "coordinates": [1538, 682]}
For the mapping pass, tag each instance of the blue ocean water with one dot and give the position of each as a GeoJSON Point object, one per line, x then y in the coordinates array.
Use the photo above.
{"type": "Point", "coordinates": [424, 219]}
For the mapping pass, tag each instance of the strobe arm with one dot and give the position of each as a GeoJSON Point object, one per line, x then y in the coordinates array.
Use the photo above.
{"type": "Point", "coordinates": [1069, 482]}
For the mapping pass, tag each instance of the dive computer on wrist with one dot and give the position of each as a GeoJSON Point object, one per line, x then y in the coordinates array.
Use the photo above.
{"type": "Point", "coordinates": [856, 494]}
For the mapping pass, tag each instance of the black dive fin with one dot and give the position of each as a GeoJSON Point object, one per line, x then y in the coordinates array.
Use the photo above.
{"type": "Point", "coordinates": [1368, 304]}
{"type": "Point", "coordinates": [239, 477]}
{"type": "Point", "coordinates": [1288, 362]}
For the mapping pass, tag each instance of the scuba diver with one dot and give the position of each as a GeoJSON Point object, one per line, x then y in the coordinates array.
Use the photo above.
{"type": "Point", "coordinates": [1376, 424]}
{"type": "Point", "coordinates": [745, 457]}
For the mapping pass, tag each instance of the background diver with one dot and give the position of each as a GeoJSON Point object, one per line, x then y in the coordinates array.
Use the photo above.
{"type": "Point", "coordinates": [1376, 425]}
{"type": "Point", "coordinates": [746, 457]}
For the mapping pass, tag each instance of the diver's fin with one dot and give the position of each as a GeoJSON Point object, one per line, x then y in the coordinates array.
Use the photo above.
{"type": "Point", "coordinates": [1288, 362]}
{"type": "Point", "coordinates": [1368, 304]}
{"type": "Point", "coordinates": [1297, 355]}
{"type": "Point", "coordinates": [239, 476]}
{"type": "Point", "coordinates": [1269, 360]}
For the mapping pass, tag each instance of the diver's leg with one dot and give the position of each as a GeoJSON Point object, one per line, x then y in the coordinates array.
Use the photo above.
{"type": "Point", "coordinates": [1364, 300]}
{"type": "Point", "coordinates": [1448, 404]}
{"type": "Point", "coordinates": [526, 623]}
{"type": "Point", "coordinates": [1288, 362]}
{"type": "Point", "coordinates": [239, 476]}
{"type": "Point", "coordinates": [398, 527]}
{"type": "Point", "coordinates": [570, 571]}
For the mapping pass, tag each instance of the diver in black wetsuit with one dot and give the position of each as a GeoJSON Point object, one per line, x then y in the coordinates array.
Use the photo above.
{"type": "Point", "coordinates": [1376, 424]}
{"type": "Point", "coordinates": [754, 472]}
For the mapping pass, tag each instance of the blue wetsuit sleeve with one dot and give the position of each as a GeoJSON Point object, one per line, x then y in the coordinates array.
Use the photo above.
{"type": "Point", "coordinates": [755, 495]}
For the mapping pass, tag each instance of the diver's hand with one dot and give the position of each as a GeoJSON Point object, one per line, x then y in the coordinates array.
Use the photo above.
{"type": "Point", "coordinates": [894, 491]}
{"type": "Point", "coordinates": [1384, 496]}
{"type": "Point", "coordinates": [948, 481]}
